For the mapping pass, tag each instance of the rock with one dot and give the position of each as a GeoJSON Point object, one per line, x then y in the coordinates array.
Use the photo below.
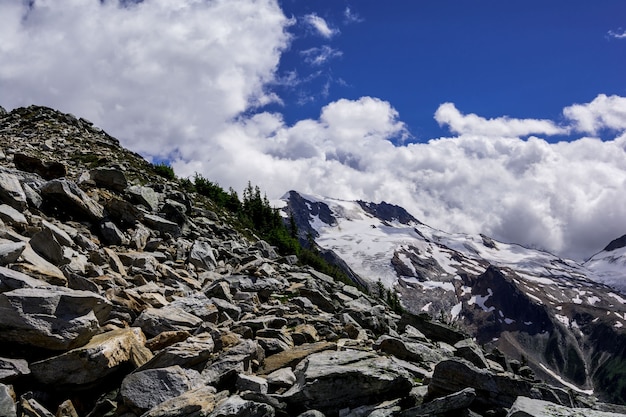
{"type": "Point", "coordinates": [291, 357]}
{"type": "Point", "coordinates": [7, 402]}
{"type": "Point", "coordinates": [527, 407]}
{"type": "Point", "coordinates": [66, 198]}
{"type": "Point", "coordinates": [199, 305]}
{"type": "Point", "coordinates": [12, 217]}
{"type": "Point", "coordinates": [12, 368]}
{"type": "Point", "coordinates": [330, 381]}
{"type": "Point", "coordinates": [193, 403]}
{"type": "Point", "coordinates": [12, 280]}
{"type": "Point", "coordinates": [227, 310]}
{"type": "Point", "coordinates": [410, 351]}
{"type": "Point", "coordinates": [146, 389]}
{"type": "Point", "coordinates": [283, 377]}
{"type": "Point", "coordinates": [53, 318]}
{"type": "Point", "coordinates": [38, 267]}
{"type": "Point", "coordinates": [123, 212]}
{"type": "Point", "coordinates": [30, 407]}
{"type": "Point", "coordinates": [492, 390]}
{"type": "Point", "coordinates": [11, 191]}
{"type": "Point", "coordinates": [162, 225]}
{"type": "Point", "coordinates": [146, 196]}
{"type": "Point", "coordinates": [274, 340]}
{"type": "Point", "coordinates": [236, 360]}
{"type": "Point", "coordinates": [47, 170]}
{"type": "Point", "coordinates": [319, 299]}
{"type": "Point", "coordinates": [111, 234]}
{"type": "Point", "coordinates": [468, 349]}
{"type": "Point", "coordinates": [188, 353]}
{"type": "Point", "coordinates": [453, 402]}
{"type": "Point", "coordinates": [46, 245]}
{"type": "Point", "coordinates": [10, 251]}
{"type": "Point", "coordinates": [66, 409]}
{"type": "Point", "coordinates": [201, 256]}
{"type": "Point", "coordinates": [251, 383]}
{"type": "Point", "coordinates": [110, 178]}
{"type": "Point", "coordinates": [104, 354]}
{"type": "Point", "coordinates": [59, 234]}
{"type": "Point", "coordinates": [237, 406]}
{"type": "Point", "coordinates": [154, 321]}
{"type": "Point", "coordinates": [219, 289]}
{"type": "Point", "coordinates": [311, 413]}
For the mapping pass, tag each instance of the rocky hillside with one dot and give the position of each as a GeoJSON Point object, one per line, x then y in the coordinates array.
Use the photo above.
{"type": "Point", "coordinates": [549, 312]}
{"type": "Point", "coordinates": [123, 294]}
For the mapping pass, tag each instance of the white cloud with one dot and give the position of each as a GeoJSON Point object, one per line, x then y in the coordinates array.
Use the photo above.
{"type": "Point", "coordinates": [351, 16]}
{"type": "Point", "coordinates": [320, 26]}
{"type": "Point", "coordinates": [565, 197]}
{"type": "Point", "coordinates": [317, 56]}
{"type": "Point", "coordinates": [185, 78]}
{"type": "Point", "coordinates": [156, 74]}
{"type": "Point", "coordinates": [447, 114]}
{"type": "Point", "coordinates": [604, 112]}
{"type": "Point", "coordinates": [619, 34]}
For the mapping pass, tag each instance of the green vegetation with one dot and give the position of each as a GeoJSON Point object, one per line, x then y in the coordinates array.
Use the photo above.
{"type": "Point", "coordinates": [255, 213]}
{"type": "Point", "coordinates": [164, 170]}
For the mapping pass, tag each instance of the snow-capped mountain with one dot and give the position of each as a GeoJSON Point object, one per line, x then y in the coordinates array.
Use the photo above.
{"type": "Point", "coordinates": [554, 313]}
{"type": "Point", "coordinates": [609, 265]}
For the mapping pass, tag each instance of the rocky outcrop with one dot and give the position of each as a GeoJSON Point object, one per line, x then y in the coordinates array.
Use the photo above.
{"type": "Point", "coordinates": [123, 295]}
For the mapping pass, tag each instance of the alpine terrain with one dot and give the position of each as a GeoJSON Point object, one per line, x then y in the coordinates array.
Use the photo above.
{"type": "Point", "coordinates": [127, 292]}
{"type": "Point", "coordinates": [555, 315]}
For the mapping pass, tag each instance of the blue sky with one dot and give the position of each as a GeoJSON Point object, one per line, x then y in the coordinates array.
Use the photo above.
{"type": "Point", "coordinates": [492, 58]}
{"type": "Point", "coordinates": [506, 118]}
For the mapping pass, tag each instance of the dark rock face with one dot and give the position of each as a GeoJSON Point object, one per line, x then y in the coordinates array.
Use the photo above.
{"type": "Point", "coordinates": [129, 301]}
{"type": "Point", "coordinates": [388, 212]}
{"type": "Point", "coordinates": [47, 170]}
{"type": "Point", "coordinates": [620, 242]}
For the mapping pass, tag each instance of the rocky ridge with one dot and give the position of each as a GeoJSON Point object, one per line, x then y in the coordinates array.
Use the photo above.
{"type": "Point", "coordinates": [123, 294]}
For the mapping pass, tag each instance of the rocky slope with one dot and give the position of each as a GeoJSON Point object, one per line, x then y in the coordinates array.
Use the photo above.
{"type": "Point", "coordinates": [121, 294]}
{"type": "Point", "coordinates": [551, 313]}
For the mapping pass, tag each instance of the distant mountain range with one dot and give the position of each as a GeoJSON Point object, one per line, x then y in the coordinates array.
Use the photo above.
{"type": "Point", "coordinates": [564, 318]}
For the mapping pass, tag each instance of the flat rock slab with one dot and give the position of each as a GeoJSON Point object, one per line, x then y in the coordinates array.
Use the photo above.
{"type": "Point", "coordinates": [101, 356]}
{"type": "Point", "coordinates": [55, 318]}
{"type": "Point", "coordinates": [144, 390]}
{"type": "Point", "coordinates": [330, 381]}
{"type": "Point", "coordinates": [66, 197]}
{"type": "Point", "coordinates": [527, 407]}
{"type": "Point", "coordinates": [290, 358]}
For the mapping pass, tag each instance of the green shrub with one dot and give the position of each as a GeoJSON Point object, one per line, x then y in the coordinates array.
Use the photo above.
{"type": "Point", "coordinates": [164, 170]}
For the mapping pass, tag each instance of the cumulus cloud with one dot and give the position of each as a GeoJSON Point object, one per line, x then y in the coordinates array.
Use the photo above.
{"type": "Point", "coordinates": [564, 197]}
{"type": "Point", "coordinates": [317, 56]}
{"type": "Point", "coordinates": [156, 73]}
{"type": "Point", "coordinates": [184, 80]}
{"type": "Point", "coordinates": [604, 112]}
{"type": "Point", "coordinates": [447, 114]}
{"type": "Point", "coordinates": [320, 26]}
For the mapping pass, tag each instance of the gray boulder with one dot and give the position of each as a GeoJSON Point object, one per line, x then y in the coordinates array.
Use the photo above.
{"type": "Point", "coordinates": [410, 351]}
{"type": "Point", "coordinates": [527, 407]}
{"type": "Point", "coordinates": [66, 197]}
{"type": "Point", "coordinates": [11, 216]}
{"type": "Point", "coordinates": [55, 318]}
{"type": "Point", "coordinates": [235, 406]}
{"type": "Point", "coordinates": [188, 353]}
{"type": "Point", "coordinates": [468, 349]}
{"type": "Point", "coordinates": [453, 402]}
{"type": "Point", "coordinates": [493, 390]}
{"type": "Point", "coordinates": [194, 403]}
{"type": "Point", "coordinates": [145, 196]}
{"type": "Point", "coordinates": [110, 178]}
{"type": "Point", "coordinates": [162, 225]}
{"type": "Point", "coordinates": [146, 389]}
{"type": "Point", "coordinates": [156, 320]}
{"type": "Point", "coordinates": [7, 405]}
{"type": "Point", "coordinates": [12, 280]}
{"type": "Point", "coordinates": [11, 191]}
{"type": "Point", "coordinates": [10, 251]}
{"type": "Point", "coordinates": [201, 256]}
{"type": "Point", "coordinates": [330, 381]}
{"type": "Point", "coordinates": [12, 368]}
